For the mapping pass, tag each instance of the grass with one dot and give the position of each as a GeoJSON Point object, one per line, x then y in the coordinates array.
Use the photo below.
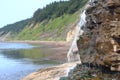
{"type": "Point", "coordinates": [53, 30]}
{"type": "Point", "coordinates": [54, 26]}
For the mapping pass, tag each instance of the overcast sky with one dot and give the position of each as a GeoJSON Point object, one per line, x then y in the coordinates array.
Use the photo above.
{"type": "Point", "coordinates": [15, 10]}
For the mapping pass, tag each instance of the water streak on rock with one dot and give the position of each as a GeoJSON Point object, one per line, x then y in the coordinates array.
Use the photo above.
{"type": "Point", "coordinates": [73, 54]}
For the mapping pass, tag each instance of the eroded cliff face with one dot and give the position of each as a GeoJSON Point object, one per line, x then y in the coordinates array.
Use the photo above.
{"type": "Point", "coordinates": [100, 43]}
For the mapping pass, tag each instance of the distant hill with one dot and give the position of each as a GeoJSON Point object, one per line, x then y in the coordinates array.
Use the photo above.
{"type": "Point", "coordinates": [50, 23]}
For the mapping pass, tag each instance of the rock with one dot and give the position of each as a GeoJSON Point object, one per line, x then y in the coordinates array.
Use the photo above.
{"type": "Point", "coordinates": [115, 68]}
{"type": "Point", "coordinates": [100, 43]}
{"type": "Point", "coordinates": [110, 3]}
{"type": "Point", "coordinates": [99, 46]}
{"type": "Point", "coordinates": [117, 10]}
{"type": "Point", "coordinates": [113, 3]}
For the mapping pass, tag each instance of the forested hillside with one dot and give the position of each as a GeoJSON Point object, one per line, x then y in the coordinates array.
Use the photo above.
{"type": "Point", "coordinates": [58, 9]}
{"type": "Point", "coordinates": [50, 23]}
{"type": "Point", "coordinates": [15, 28]}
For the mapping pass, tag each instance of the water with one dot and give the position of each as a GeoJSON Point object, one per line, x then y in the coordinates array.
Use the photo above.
{"type": "Point", "coordinates": [72, 54]}
{"type": "Point", "coordinates": [20, 59]}
{"type": "Point", "coordinates": [15, 46]}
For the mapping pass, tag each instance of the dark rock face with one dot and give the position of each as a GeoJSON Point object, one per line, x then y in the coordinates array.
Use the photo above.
{"type": "Point", "coordinates": [100, 43]}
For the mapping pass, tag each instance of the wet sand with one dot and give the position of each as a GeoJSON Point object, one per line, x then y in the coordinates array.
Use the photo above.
{"type": "Point", "coordinates": [52, 73]}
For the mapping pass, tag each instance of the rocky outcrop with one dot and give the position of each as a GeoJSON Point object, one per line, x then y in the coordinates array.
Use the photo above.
{"type": "Point", "coordinates": [100, 43]}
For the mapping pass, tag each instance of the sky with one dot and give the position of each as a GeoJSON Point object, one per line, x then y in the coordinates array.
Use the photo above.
{"type": "Point", "coordinates": [12, 11]}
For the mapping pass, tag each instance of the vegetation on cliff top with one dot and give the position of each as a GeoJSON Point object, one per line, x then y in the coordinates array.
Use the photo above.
{"type": "Point", "coordinates": [50, 23]}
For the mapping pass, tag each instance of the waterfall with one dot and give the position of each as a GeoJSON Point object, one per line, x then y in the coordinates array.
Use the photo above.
{"type": "Point", "coordinates": [73, 54]}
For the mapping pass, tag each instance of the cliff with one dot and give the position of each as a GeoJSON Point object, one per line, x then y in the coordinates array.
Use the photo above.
{"type": "Point", "coordinates": [100, 43]}
{"type": "Point", "coordinates": [99, 46]}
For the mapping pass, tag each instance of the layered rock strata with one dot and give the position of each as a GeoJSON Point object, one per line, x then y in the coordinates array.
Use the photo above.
{"type": "Point", "coordinates": [100, 43]}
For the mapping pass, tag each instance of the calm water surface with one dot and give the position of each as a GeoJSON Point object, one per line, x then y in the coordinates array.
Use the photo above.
{"type": "Point", "coordinates": [19, 59]}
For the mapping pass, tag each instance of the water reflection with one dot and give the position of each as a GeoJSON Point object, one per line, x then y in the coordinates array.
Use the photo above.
{"type": "Point", "coordinates": [19, 59]}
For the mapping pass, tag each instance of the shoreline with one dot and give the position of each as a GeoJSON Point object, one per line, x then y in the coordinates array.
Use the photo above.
{"type": "Point", "coordinates": [55, 72]}
{"type": "Point", "coordinates": [35, 41]}
{"type": "Point", "coordinates": [59, 48]}
{"type": "Point", "coordinates": [52, 73]}
{"type": "Point", "coordinates": [62, 43]}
